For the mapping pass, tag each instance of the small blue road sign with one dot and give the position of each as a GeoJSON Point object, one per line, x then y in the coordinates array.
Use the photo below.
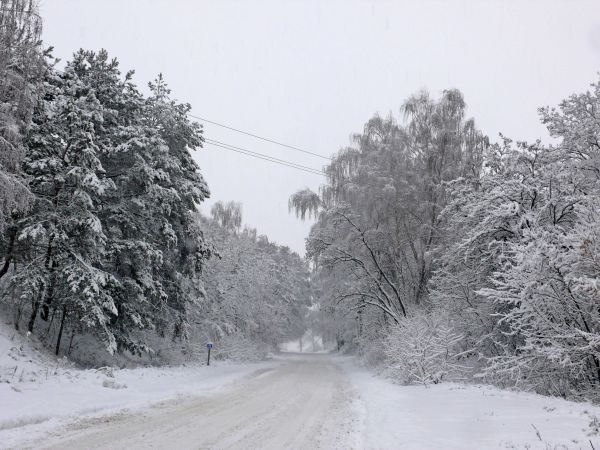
{"type": "Point", "coordinates": [209, 345]}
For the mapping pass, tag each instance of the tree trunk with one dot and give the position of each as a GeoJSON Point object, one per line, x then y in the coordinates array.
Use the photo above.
{"type": "Point", "coordinates": [34, 310]}
{"type": "Point", "coordinates": [71, 342]}
{"type": "Point", "coordinates": [339, 342]}
{"type": "Point", "coordinates": [49, 296]}
{"type": "Point", "coordinates": [360, 323]}
{"type": "Point", "coordinates": [18, 314]}
{"type": "Point", "coordinates": [50, 291]}
{"type": "Point", "coordinates": [18, 317]}
{"type": "Point", "coordinates": [49, 328]}
{"type": "Point", "coordinates": [12, 234]}
{"type": "Point", "coordinates": [60, 330]}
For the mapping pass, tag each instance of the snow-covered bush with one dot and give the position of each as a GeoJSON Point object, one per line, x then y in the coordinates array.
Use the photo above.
{"type": "Point", "coordinates": [372, 333]}
{"type": "Point", "coordinates": [549, 294]}
{"type": "Point", "coordinates": [371, 351]}
{"type": "Point", "coordinates": [423, 349]}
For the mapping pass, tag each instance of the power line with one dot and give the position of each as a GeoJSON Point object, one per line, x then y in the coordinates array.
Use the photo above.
{"type": "Point", "coordinates": [212, 141]}
{"type": "Point", "coordinates": [272, 141]}
{"type": "Point", "coordinates": [256, 154]}
{"type": "Point", "coordinates": [266, 158]}
{"type": "Point", "coordinates": [260, 137]}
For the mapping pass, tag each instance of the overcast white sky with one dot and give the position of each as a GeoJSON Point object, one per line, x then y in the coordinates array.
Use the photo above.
{"type": "Point", "coordinates": [310, 73]}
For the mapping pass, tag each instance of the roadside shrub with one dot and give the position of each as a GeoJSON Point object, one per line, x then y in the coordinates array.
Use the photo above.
{"type": "Point", "coordinates": [370, 345]}
{"type": "Point", "coordinates": [423, 349]}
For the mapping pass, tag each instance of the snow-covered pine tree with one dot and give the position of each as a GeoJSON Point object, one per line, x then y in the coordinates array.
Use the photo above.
{"type": "Point", "coordinates": [112, 244]}
{"type": "Point", "coordinates": [129, 151]}
{"type": "Point", "coordinates": [178, 189]}
{"type": "Point", "coordinates": [65, 276]}
{"type": "Point", "coordinates": [154, 247]}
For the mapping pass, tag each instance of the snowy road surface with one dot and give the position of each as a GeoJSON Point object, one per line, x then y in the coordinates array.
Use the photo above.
{"type": "Point", "coordinates": [303, 404]}
{"type": "Point", "coordinates": [294, 402]}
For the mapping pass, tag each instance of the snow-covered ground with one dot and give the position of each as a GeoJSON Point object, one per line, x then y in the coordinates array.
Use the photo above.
{"type": "Point", "coordinates": [456, 416]}
{"type": "Point", "coordinates": [39, 393]}
{"type": "Point", "coordinates": [303, 403]}
{"type": "Point", "coordinates": [294, 401]}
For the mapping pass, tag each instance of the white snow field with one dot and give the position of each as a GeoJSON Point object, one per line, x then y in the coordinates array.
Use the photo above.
{"type": "Point", "coordinates": [297, 401]}
{"type": "Point", "coordinates": [453, 416]}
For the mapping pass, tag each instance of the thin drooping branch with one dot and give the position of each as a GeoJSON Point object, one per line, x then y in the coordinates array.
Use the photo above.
{"type": "Point", "coordinates": [375, 261]}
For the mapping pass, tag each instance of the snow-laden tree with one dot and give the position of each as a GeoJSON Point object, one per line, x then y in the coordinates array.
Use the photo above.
{"type": "Point", "coordinates": [66, 179]}
{"type": "Point", "coordinates": [482, 216]}
{"type": "Point", "coordinates": [155, 246]}
{"type": "Point", "coordinates": [228, 215]}
{"type": "Point", "coordinates": [255, 290]}
{"type": "Point", "coordinates": [519, 277]}
{"type": "Point", "coordinates": [110, 246]}
{"type": "Point", "coordinates": [22, 64]}
{"type": "Point", "coordinates": [550, 308]}
{"type": "Point", "coordinates": [378, 213]}
{"type": "Point", "coordinates": [547, 286]}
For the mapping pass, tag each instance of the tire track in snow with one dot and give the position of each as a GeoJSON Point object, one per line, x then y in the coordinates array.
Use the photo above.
{"type": "Point", "coordinates": [305, 403]}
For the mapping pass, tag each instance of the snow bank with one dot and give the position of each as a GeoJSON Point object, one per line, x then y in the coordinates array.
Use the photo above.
{"type": "Point", "coordinates": [455, 416]}
{"type": "Point", "coordinates": [37, 392]}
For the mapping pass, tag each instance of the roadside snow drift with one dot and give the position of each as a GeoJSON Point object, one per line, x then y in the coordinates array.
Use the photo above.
{"type": "Point", "coordinates": [38, 392]}
{"type": "Point", "coordinates": [454, 416]}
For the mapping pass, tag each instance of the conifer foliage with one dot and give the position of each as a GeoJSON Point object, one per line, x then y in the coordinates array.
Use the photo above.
{"type": "Point", "coordinates": [110, 245]}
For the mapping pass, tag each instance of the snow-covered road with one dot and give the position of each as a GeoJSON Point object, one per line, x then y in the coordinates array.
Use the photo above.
{"type": "Point", "coordinates": [296, 401]}
{"type": "Point", "coordinates": [303, 403]}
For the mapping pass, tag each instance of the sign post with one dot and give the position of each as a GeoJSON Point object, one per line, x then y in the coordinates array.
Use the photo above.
{"type": "Point", "coordinates": [209, 345]}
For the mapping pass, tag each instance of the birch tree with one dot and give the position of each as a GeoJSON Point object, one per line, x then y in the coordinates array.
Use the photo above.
{"type": "Point", "coordinates": [22, 64]}
{"type": "Point", "coordinates": [378, 213]}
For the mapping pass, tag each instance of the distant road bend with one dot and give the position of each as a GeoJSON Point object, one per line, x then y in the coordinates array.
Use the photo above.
{"type": "Point", "coordinates": [304, 403]}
